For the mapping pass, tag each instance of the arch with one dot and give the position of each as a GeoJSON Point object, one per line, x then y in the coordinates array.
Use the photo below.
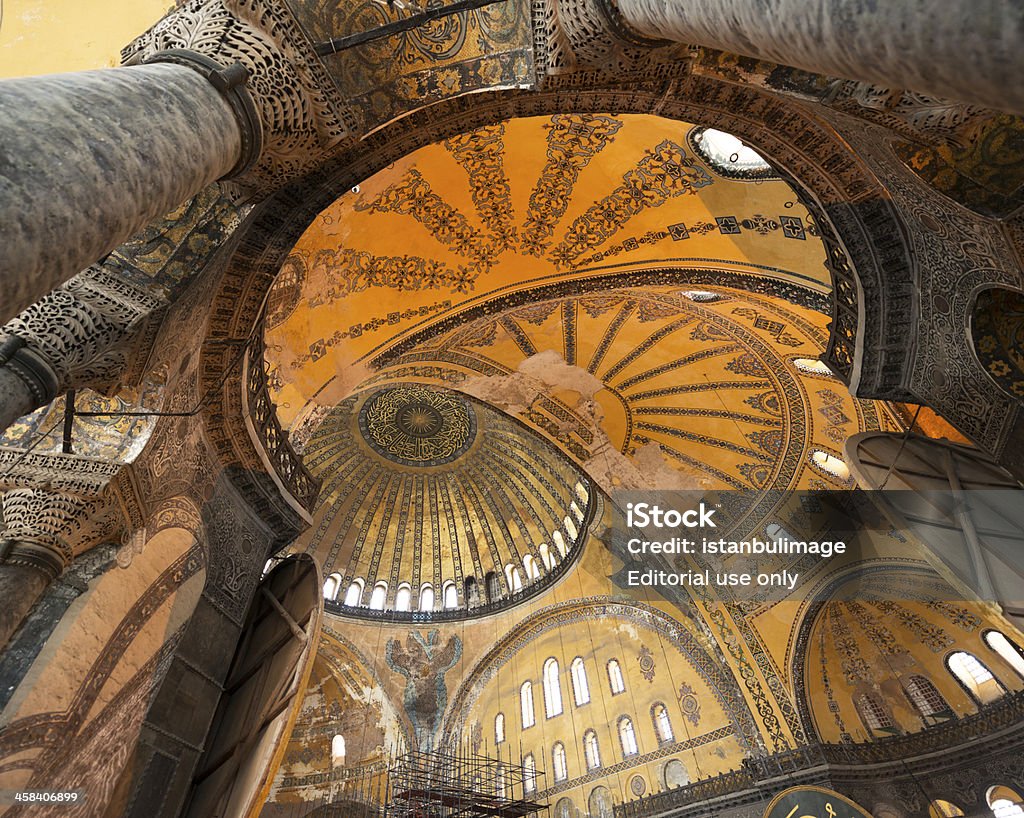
{"type": "Point", "coordinates": [471, 592]}
{"type": "Point", "coordinates": [580, 685]}
{"type": "Point", "coordinates": [830, 464]}
{"type": "Point", "coordinates": [997, 337]}
{"type": "Point", "coordinates": [529, 774]}
{"type": "Point", "coordinates": [565, 808]}
{"type": "Point", "coordinates": [974, 677]}
{"type": "Point", "coordinates": [944, 809]}
{"type": "Point", "coordinates": [1004, 802]}
{"type": "Point", "coordinates": [558, 762]}
{"type": "Point", "coordinates": [581, 492]}
{"type": "Point", "coordinates": [499, 728]}
{"type": "Point", "coordinates": [552, 689]}
{"type": "Point", "coordinates": [600, 803]}
{"type": "Point", "coordinates": [403, 597]}
{"type": "Point", "coordinates": [559, 541]}
{"type": "Point", "coordinates": [616, 681]}
{"type": "Point", "coordinates": [1008, 650]}
{"type": "Point", "coordinates": [874, 714]}
{"type": "Point", "coordinates": [530, 568]}
{"type": "Point", "coordinates": [925, 697]}
{"type": "Point", "coordinates": [545, 556]}
{"type": "Point", "coordinates": [492, 585]}
{"type": "Point", "coordinates": [526, 704]}
{"type": "Point", "coordinates": [379, 597]}
{"type": "Point", "coordinates": [426, 597]}
{"type": "Point", "coordinates": [354, 594]}
{"type": "Point", "coordinates": [662, 723]}
{"type": "Point", "coordinates": [729, 156]}
{"type": "Point", "coordinates": [576, 511]}
{"type": "Point", "coordinates": [674, 774]}
{"type": "Point", "coordinates": [591, 750]}
{"type": "Point", "coordinates": [812, 366]}
{"type": "Point", "coordinates": [627, 737]}
{"type": "Point", "coordinates": [571, 529]}
{"type": "Point", "coordinates": [450, 595]}
{"type": "Point", "coordinates": [338, 751]}
{"type": "Point", "coordinates": [515, 580]}
{"type": "Point", "coordinates": [331, 585]}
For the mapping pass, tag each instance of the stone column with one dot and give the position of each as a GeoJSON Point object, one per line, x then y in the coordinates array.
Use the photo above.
{"type": "Point", "coordinates": [88, 159]}
{"type": "Point", "coordinates": [955, 49]}
{"type": "Point", "coordinates": [26, 571]}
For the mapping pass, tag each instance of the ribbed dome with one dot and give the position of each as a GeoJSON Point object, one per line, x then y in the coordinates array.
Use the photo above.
{"type": "Point", "coordinates": [434, 502]}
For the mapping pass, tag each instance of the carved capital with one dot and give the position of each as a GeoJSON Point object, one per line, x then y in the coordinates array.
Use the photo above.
{"type": "Point", "coordinates": [58, 506]}
{"type": "Point", "coordinates": [289, 87]}
{"type": "Point", "coordinates": [75, 334]}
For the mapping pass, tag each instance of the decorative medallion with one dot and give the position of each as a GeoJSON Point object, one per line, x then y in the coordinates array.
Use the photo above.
{"type": "Point", "coordinates": [637, 785]}
{"type": "Point", "coordinates": [417, 425]}
{"type": "Point", "coordinates": [646, 660]}
{"type": "Point", "coordinates": [689, 704]}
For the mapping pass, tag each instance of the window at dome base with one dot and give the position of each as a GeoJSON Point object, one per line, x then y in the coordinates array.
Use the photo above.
{"type": "Point", "coordinates": [728, 156]}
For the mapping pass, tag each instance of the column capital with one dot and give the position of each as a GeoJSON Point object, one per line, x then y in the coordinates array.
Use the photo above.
{"type": "Point", "coordinates": [294, 98]}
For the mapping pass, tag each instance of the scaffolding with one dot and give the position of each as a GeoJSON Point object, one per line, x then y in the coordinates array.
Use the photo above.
{"type": "Point", "coordinates": [440, 784]}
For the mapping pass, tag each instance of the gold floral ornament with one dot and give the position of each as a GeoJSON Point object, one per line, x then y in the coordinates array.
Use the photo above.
{"type": "Point", "coordinates": [418, 425]}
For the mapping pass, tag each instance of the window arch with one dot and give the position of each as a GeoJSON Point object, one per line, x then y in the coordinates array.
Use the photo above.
{"type": "Point", "coordinates": [530, 567]}
{"type": "Point", "coordinates": [925, 697]}
{"type": "Point", "coordinates": [830, 464]}
{"type": "Point", "coordinates": [577, 512]}
{"type": "Point", "coordinates": [627, 737]}
{"type": "Point", "coordinates": [354, 595]}
{"type": "Point", "coordinates": [552, 689]}
{"type": "Point", "coordinates": [267, 566]}
{"type": "Point", "coordinates": [571, 529]}
{"type": "Point", "coordinates": [403, 597]}
{"type": "Point", "coordinates": [338, 751]}
{"type": "Point", "coordinates": [331, 586]}
{"type": "Point", "coordinates": [812, 366]}
{"type": "Point", "coordinates": [1005, 802]}
{"type": "Point", "coordinates": [662, 724]}
{"type": "Point", "coordinates": [492, 585]}
{"type": "Point", "coordinates": [379, 596]}
{"type": "Point", "coordinates": [581, 492]}
{"type": "Point", "coordinates": [427, 597]}
{"type": "Point", "coordinates": [545, 556]}
{"type": "Point", "coordinates": [526, 704]}
{"type": "Point", "coordinates": [974, 677]}
{"type": "Point", "coordinates": [499, 728]}
{"type": "Point", "coordinates": [565, 808]}
{"type": "Point", "coordinates": [675, 774]}
{"type": "Point", "coordinates": [1009, 651]}
{"type": "Point", "coordinates": [944, 809]}
{"type": "Point", "coordinates": [529, 774]}
{"type": "Point", "coordinates": [472, 592]}
{"type": "Point", "coordinates": [591, 752]}
{"type": "Point", "coordinates": [559, 541]}
{"type": "Point", "coordinates": [515, 581]}
{"type": "Point", "coordinates": [580, 686]}
{"type": "Point", "coordinates": [615, 679]}
{"type": "Point", "coordinates": [600, 803]}
{"type": "Point", "coordinates": [451, 595]}
{"type": "Point", "coordinates": [558, 763]}
{"type": "Point", "coordinates": [873, 713]}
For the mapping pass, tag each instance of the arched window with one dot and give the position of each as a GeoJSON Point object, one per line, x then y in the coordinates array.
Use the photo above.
{"type": "Point", "coordinates": [379, 596]}
{"type": "Point", "coordinates": [403, 598]}
{"type": "Point", "coordinates": [545, 556]}
{"type": "Point", "coordinates": [493, 586]}
{"type": "Point", "coordinates": [675, 774]}
{"type": "Point", "coordinates": [451, 595]}
{"type": "Point", "coordinates": [777, 534]}
{"type": "Point", "coordinates": [591, 752]}
{"type": "Point", "coordinates": [600, 803]}
{"type": "Point", "coordinates": [526, 704]}
{"type": "Point", "coordinates": [499, 782]}
{"type": "Point", "coordinates": [427, 597]}
{"type": "Point", "coordinates": [925, 697]}
{"type": "Point", "coordinates": [581, 492]}
{"type": "Point", "coordinates": [552, 689]}
{"type": "Point", "coordinates": [530, 567]}
{"type": "Point", "coordinates": [873, 713]}
{"type": "Point", "coordinates": [944, 809]}
{"type": "Point", "coordinates": [580, 686]}
{"type": "Point", "coordinates": [331, 586]}
{"type": "Point", "coordinates": [565, 808]}
{"type": "Point", "coordinates": [1008, 651]}
{"type": "Point", "coordinates": [577, 512]}
{"type": "Point", "coordinates": [1005, 803]}
{"type": "Point", "coordinates": [338, 751]}
{"type": "Point", "coordinates": [472, 592]}
{"type": "Point", "coordinates": [529, 774]}
{"type": "Point", "coordinates": [499, 728]}
{"type": "Point", "coordinates": [975, 678]}
{"type": "Point", "coordinates": [558, 764]}
{"type": "Point", "coordinates": [559, 541]}
{"type": "Point", "coordinates": [812, 366]}
{"type": "Point", "coordinates": [268, 565]}
{"type": "Point", "coordinates": [662, 724]}
{"type": "Point", "coordinates": [831, 464]}
{"type": "Point", "coordinates": [515, 581]}
{"type": "Point", "coordinates": [354, 595]}
{"type": "Point", "coordinates": [570, 529]}
{"type": "Point", "coordinates": [615, 680]}
{"type": "Point", "coordinates": [627, 737]}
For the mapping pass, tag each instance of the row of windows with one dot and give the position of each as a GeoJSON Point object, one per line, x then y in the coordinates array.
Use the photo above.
{"type": "Point", "coordinates": [551, 678]}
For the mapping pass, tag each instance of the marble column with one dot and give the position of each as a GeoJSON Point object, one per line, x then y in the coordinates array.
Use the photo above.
{"type": "Point", "coordinates": [88, 159]}
{"type": "Point", "coordinates": [959, 50]}
{"type": "Point", "coordinates": [25, 573]}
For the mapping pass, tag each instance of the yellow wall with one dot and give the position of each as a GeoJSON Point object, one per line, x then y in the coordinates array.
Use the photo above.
{"type": "Point", "coordinates": [53, 36]}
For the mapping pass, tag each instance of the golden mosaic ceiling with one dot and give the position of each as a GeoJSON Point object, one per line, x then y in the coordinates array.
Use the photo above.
{"type": "Point", "coordinates": [523, 204]}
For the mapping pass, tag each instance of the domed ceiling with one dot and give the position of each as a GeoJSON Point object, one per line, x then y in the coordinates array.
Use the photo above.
{"type": "Point", "coordinates": [429, 491]}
